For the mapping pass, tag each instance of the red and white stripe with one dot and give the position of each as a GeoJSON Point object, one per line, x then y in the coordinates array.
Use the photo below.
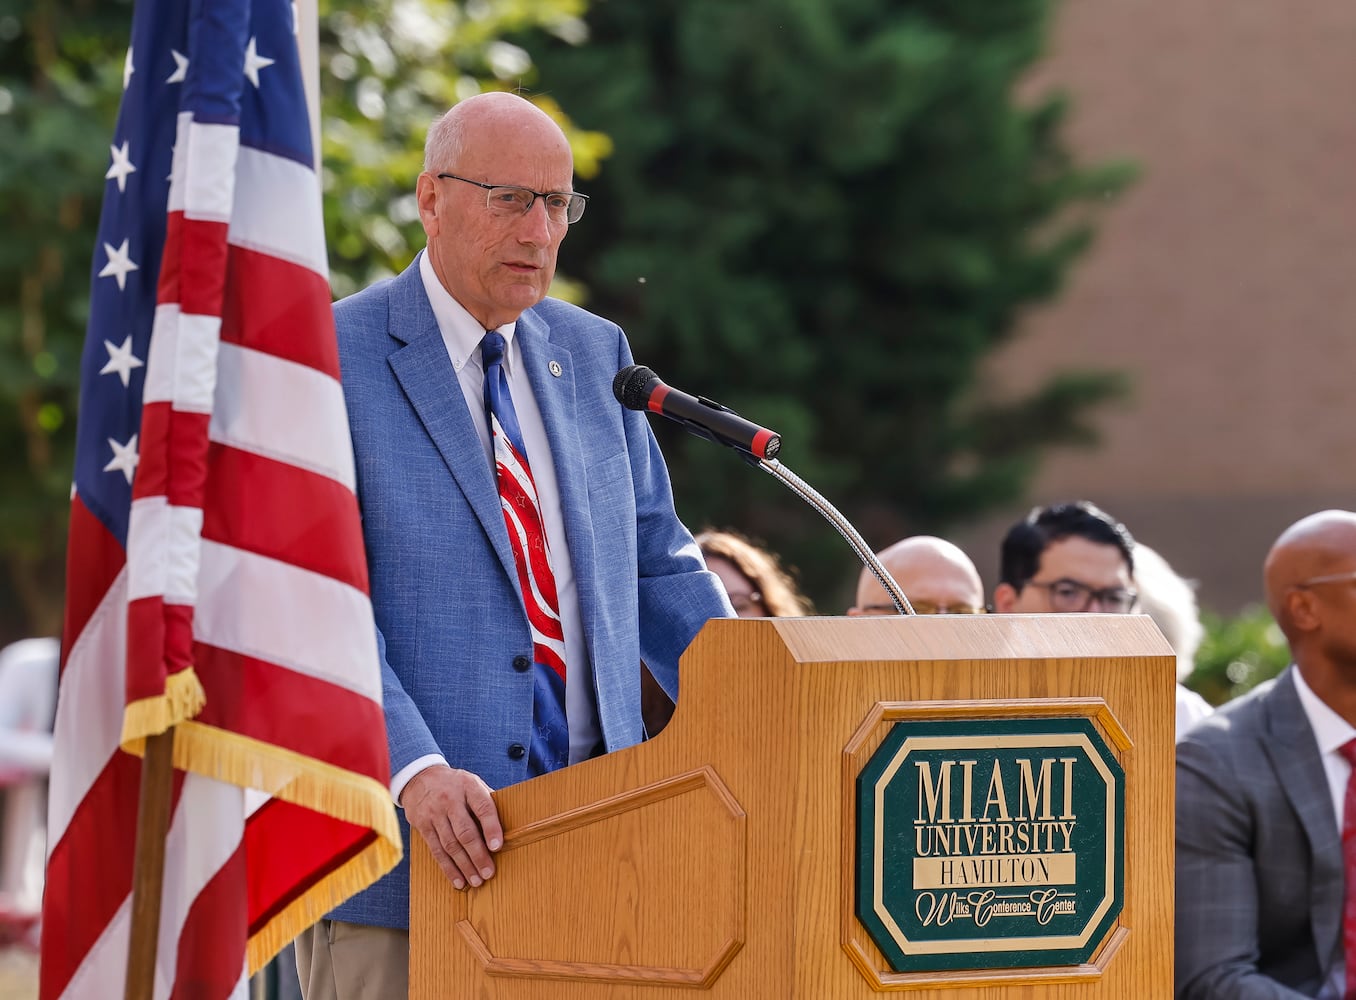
{"type": "Point", "coordinates": [245, 562]}
{"type": "Point", "coordinates": [527, 537]}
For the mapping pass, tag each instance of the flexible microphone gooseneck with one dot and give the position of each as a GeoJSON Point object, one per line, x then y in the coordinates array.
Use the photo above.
{"type": "Point", "coordinates": [638, 388]}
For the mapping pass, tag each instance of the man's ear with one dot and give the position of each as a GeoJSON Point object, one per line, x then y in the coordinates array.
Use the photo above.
{"type": "Point", "coordinates": [426, 195]}
{"type": "Point", "coordinates": [1004, 598]}
{"type": "Point", "coordinates": [1300, 607]}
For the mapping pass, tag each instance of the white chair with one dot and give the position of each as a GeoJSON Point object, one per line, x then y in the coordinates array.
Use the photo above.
{"type": "Point", "coordinates": [28, 689]}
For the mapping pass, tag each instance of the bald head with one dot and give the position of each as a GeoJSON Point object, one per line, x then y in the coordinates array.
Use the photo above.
{"type": "Point", "coordinates": [1310, 576]}
{"type": "Point", "coordinates": [929, 570]}
{"type": "Point", "coordinates": [496, 117]}
{"type": "Point", "coordinates": [1318, 545]}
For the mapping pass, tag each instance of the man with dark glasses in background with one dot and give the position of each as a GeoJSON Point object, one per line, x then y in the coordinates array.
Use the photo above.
{"type": "Point", "coordinates": [1068, 557]}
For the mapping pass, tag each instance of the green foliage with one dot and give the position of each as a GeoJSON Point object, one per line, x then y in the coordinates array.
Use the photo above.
{"type": "Point", "coordinates": [60, 76]}
{"type": "Point", "coordinates": [1237, 654]}
{"type": "Point", "coordinates": [826, 215]}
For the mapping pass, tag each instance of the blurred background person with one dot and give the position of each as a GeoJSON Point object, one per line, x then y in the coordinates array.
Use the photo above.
{"type": "Point", "coordinates": [1066, 557]}
{"type": "Point", "coordinates": [757, 586]}
{"type": "Point", "coordinates": [1075, 557]}
{"type": "Point", "coordinates": [1170, 600]}
{"type": "Point", "coordinates": [935, 575]}
{"type": "Point", "coordinates": [1266, 804]}
{"type": "Point", "coordinates": [28, 689]}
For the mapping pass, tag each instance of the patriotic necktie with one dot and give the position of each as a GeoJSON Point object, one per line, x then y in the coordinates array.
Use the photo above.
{"type": "Point", "coordinates": [550, 744]}
{"type": "Point", "coordinates": [1348, 750]}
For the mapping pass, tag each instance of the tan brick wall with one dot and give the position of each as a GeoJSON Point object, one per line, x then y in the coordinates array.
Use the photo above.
{"type": "Point", "coordinates": [1224, 282]}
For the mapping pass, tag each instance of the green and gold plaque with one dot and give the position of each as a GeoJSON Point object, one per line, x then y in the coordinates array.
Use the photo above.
{"type": "Point", "coordinates": [990, 843]}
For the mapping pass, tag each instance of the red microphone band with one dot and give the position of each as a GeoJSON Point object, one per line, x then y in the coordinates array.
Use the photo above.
{"type": "Point", "coordinates": [760, 443]}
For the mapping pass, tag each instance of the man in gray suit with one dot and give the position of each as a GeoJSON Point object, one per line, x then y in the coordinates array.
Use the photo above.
{"type": "Point", "coordinates": [1261, 791]}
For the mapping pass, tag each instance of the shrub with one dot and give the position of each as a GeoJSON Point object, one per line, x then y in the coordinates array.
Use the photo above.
{"type": "Point", "coordinates": [1237, 654]}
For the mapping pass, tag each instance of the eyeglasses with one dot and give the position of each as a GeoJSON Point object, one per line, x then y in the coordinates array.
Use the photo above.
{"type": "Point", "coordinates": [502, 199]}
{"type": "Point", "coordinates": [1070, 595]}
{"type": "Point", "coordinates": [1330, 578]}
{"type": "Point", "coordinates": [746, 602]}
{"type": "Point", "coordinates": [922, 607]}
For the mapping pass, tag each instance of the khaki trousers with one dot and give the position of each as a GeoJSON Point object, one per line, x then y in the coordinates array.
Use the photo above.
{"type": "Point", "coordinates": [342, 961]}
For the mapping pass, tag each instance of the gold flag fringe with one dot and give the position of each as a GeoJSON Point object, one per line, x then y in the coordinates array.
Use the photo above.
{"type": "Point", "coordinates": [183, 699]}
{"type": "Point", "coordinates": [304, 781]}
{"type": "Point", "coordinates": [349, 878]}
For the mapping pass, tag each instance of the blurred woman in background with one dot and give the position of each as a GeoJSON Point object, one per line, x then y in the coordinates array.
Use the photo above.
{"type": "Point", "coordinates": [753, 577]}
{"type": "Point", "coordinates": [757, 586]}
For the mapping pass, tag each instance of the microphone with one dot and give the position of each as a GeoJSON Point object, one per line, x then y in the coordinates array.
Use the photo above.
{"type": "Point", "coordinates": [638, 388]}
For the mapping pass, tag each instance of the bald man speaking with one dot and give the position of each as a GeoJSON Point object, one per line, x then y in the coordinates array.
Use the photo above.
{"type": "Point", "coordinates": [1262, 797]}
{"type": "Point", "coordinates": [522, 544]}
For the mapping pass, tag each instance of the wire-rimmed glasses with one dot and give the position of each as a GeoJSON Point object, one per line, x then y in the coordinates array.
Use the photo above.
{"type": "Point", "coordinates": [506, 199]}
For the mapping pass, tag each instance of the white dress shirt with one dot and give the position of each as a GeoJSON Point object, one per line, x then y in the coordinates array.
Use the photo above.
{"type": "Point", "coordinates": [1191, 709]}
{"type": "Point", "coordinates": [1331, 732]}
{"type": "Point", "coordinates": [462, 335]}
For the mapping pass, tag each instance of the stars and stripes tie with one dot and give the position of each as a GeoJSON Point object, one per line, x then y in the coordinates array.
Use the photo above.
{"type": "Point", "coordinates": [550, 744]}
{"type": "Point", "coordinates": [1348, 750]}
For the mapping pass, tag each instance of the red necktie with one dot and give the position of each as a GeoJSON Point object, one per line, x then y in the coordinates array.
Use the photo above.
{"type": "Point", "coordinates": [1348, 750]}
{"type": "Point", "coordinates": [550, 744]}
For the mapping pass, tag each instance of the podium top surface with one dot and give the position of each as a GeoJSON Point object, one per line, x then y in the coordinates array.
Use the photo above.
{"type": "Point", "coordinates": [961, 637]}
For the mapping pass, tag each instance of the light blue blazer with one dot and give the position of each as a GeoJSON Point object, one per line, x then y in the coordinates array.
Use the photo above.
{"type": "Point", "coordinates": [444, 587]}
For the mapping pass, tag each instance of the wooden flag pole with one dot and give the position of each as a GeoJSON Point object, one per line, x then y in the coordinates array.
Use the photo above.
{"type": "Point", "coordinates": [148, 874]}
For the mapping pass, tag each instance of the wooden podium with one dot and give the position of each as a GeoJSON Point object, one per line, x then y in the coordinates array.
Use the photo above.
{"type": "Point", "coordinates": [719, 858]}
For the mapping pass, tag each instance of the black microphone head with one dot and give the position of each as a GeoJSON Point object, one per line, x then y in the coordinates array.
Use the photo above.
{"type": "Point", "coordinates": [630, 386]}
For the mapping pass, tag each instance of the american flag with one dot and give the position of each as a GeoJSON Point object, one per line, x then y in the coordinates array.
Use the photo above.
{"type": "Point", "coordinates": [216, 579]}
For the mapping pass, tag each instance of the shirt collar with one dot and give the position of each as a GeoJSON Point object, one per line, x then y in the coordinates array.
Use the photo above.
{"type": "Point", "coordinates": [1331, 731]}
{"type": "Point", "coordinates": [461, 333]}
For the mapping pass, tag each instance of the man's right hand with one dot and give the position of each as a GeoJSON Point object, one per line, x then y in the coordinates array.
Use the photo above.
{"type": "Point", "coordinates": [455, 814]}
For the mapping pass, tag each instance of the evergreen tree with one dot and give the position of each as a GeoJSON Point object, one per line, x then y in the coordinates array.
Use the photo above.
{"type": "Point", "coordinates": [825, 214]}
{"type": "Point", "coordinates": [61, 68]}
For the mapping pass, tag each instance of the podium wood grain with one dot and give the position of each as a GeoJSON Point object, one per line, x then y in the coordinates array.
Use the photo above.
{"type": "Point", "coordinates": [718, 859]}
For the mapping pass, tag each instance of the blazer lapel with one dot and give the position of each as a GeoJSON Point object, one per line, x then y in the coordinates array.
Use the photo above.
{"type": "Point", "coordinates": [1299, 768]}
{"type": "Point", "coordinates": [425, 373]}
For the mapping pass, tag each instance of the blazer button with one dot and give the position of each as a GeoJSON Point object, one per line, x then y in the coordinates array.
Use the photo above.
{"type": "Point", "coordinates": [516, 751]}
{"type": "Point", "coordinates": [521, 664]}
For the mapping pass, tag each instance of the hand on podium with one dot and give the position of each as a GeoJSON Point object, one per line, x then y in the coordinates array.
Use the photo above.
{"type": "Point", "coordinates": [454, 812]}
